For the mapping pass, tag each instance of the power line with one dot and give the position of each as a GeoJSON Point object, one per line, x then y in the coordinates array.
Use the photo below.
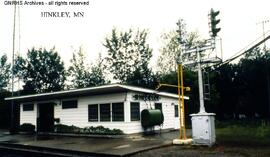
{"type": "Point", "coordinates": [247, 49]}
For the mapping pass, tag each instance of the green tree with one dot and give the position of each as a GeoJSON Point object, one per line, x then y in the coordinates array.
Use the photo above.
{"type": "Point", "coordinates": [244, 87]}
{"type": "Point", "coordinates": [170, 57]}
{"type": "Point", "coordinates": [83, 75]}
{"type": "Point", "coordinates": [78, 71]}
{"type": "Point", "coordinates": [128, 57]}
{"type": "Point", "coordinates": [171, 50]}
{"type": "Point", "coordinates": [255, 82]}
{"type": "Point", "coordinates": [96, 75]}
{"type": "Point", "coordinates": [4, 72]}
{"type": "Point", "coordinates": [144, 77]}
{"type": "Point", "coordinates": [41, 71]}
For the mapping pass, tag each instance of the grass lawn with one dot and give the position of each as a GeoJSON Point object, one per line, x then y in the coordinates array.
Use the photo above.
{"type": "Point", "coordinates": [233, 139]}
{"type": "Point", "coordinates": [244, 138]}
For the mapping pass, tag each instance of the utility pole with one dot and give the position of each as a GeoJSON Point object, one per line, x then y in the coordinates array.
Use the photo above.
{"type": "Point", "coordinates": [12, 125]}
{"type": "Point", "coordinates": [263, 22]}
{"type": "Point", "coordinates": [200, 81]}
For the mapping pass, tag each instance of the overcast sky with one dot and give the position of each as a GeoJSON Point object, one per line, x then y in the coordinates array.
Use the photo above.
{"type": "Point", "coordinates": [239, 23]}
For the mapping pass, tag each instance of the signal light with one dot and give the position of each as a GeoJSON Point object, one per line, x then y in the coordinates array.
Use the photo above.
{"type": "Point", "coordinates": [213, 23]}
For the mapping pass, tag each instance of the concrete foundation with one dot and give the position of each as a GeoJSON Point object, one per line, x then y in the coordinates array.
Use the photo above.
{"type": "Point", "coordinates": [182, 141]}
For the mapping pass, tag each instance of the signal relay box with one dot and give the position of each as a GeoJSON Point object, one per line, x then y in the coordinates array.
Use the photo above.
{"type": "Point", "coordinates": [203, 129]}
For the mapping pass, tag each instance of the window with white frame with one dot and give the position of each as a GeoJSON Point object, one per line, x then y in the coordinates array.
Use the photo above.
{"type": "Point", "coordinates": [105, 112]}
{"type": "Point", "coordinates": [118, 111]}
{"type": "Point", "coordinates": [134, 111]}
{"type": "Point", "coordinates": [93, 113]}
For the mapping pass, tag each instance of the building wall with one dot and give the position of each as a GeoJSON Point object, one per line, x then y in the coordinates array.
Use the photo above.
{"type": "Point", "coordinates": [28, 116]}
{"type": "Point", "coordinates": [79, 116]}
{"type": "Point", "coordinates": [170, 121]}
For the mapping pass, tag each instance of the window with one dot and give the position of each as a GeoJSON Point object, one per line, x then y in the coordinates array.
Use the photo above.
{"type": "Point", "coordinates": [93, 113]}
{"type": "Point", "coordinates": [28, 107]}
{"type": "Point", "coordinates": [117, 111]}
{"type": "Point", "coordinates": [134, 111]}
{"type": "Point", "coordinates": [176, 112]}
{"type": "Point", "coordinates": [105, 112]}
{"type": "Point", "coordinates": [69, 104]}
{"type": "Point", "coordinates": [158, 106]}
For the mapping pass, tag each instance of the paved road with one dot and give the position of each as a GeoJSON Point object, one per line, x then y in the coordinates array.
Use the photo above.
{"type": "Point", "coordinates": [134, 146]}
{"type": "Point", "coordinates": [106, 146]}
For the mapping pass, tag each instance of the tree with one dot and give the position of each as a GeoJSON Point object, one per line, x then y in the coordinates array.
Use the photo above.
{"type": "Point", "coordinates": [78, 70]}
{"type": "Point", "coordinates": [96, 75]}
{"type": "Point", "coordinates": [244, 87]}
{"type": "Point", "coordinates": [170, 53]}
{"type": "Point", "coordinates": [171, 50]}
{"type": "Point", "coordinates": [129, 56]}
{"type": "Point", "coordinates": [5, 75]}
{"type": "Point", "coordinates": [41, 71]}
{"type": "Point", "coordinates": [254, 75]}
{"type": "Point", "coordinates": [84, 76]}
{"type": "Point", "coordinates": [144, 77]}
{"type": "Point", "coordinates": [4, 72]}
{"type": "Point", "coordinates": [169, 59]}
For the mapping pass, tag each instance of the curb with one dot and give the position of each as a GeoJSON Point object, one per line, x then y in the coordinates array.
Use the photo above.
{"type": "Point", "coordinates": [149, 148]}
{"type": "Point", "coordinates": [82, 135]}
{"type": "Point", "coordinates": [56, 152]}
{"type": "Point", "coordinates": [45, 151]}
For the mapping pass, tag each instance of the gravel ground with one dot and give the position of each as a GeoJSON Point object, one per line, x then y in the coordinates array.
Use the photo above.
{"type": "Point", "coordinates": [215, 151]}
{"type": "Point", "coordinates": [190, 151]}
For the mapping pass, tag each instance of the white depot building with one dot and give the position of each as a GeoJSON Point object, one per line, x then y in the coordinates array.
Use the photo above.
{"type": "Point", "coordinates": [112, 106]}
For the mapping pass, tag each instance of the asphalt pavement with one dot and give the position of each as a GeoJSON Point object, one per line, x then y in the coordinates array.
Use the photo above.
{"type": "Point", "coordinates": [121, 146]}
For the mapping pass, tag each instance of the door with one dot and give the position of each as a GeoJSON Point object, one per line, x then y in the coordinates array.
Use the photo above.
{"type": "Point", "coordinates": [46, 117]}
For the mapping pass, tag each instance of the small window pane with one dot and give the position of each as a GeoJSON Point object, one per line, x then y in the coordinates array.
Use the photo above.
{"type": "Point", "coordinates": [105, 112]}
{"type": "Point", "coordinates": [135, 111]}
{"type": "Point", "coordinates": [93, 113]}
{"type": "Point", "coordinates": [158, 106]}
{"type": "Point", "coordinates": [69, 104]}
{"type": "Point", "coordinates": [28, 107]}
{"type": "Point", "coordinates": [118, 111]}
{"type": "Point", "coordinates": [176, 112]}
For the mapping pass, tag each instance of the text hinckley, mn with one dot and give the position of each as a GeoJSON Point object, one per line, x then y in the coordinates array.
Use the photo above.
{"type": "Point", "coordinates": [55, 14]}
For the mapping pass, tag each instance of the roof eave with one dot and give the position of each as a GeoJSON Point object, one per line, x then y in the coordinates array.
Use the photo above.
{"type": "Point", "coordinates": [90, 90]}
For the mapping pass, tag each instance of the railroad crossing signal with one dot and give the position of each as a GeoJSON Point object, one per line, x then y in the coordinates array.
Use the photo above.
{"type": "Point", "coordinates": [213, 23]}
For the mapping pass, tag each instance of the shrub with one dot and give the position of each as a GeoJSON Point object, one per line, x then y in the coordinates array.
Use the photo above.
{"type": "Point", "coordinates": [27, 127]}
{"type": "Point", "coordinates": [99, 130]}
{"type": "Point", "coordinates": [61, 128]}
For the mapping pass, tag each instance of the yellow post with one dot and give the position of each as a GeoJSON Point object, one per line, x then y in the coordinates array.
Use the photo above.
{"type": "Point", "coordinates": [179, 102]}
{"type": "Point", "coordinates": [181, 109]}
{"type": "Point", "coordinates": [181, 106]}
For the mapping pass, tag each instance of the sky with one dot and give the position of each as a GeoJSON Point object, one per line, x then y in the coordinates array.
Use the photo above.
{"type": "Point", "coordinates": [240, 24]}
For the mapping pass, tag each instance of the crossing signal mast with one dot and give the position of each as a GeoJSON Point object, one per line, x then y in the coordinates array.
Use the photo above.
{"type": "Point", "coordinates": [200, 56]}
